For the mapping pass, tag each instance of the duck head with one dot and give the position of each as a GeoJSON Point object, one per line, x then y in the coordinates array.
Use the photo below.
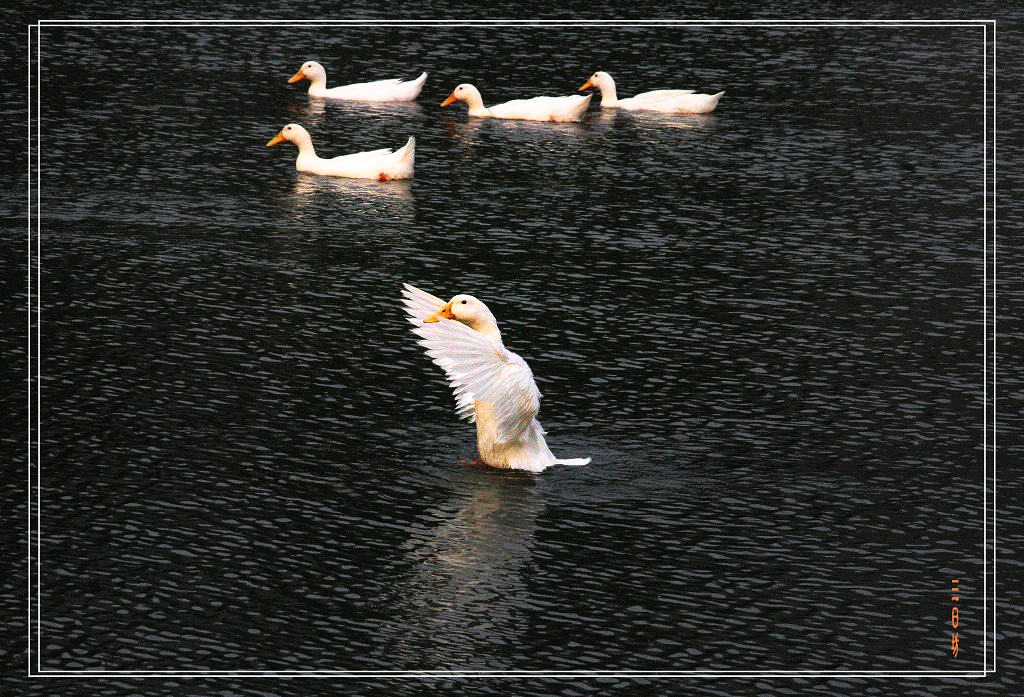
{"type": "Point", "coordinates": [470, 311]}
{"type": "Point", "coordinates": [465, 93]}
{"type": "Point", "coordinates": [293, 133]}
{"type": "Point", "coordinates": [310, 70]}
{"type": "Point", "coordinates": [601, 80]}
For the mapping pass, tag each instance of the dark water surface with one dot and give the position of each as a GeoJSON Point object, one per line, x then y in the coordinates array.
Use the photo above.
{"type": "Point", "coordinates": [763, 325]}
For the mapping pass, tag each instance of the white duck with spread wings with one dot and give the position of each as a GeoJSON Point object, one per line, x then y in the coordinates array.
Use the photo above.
{"type": "Point", "coordinates": [394, 90]}
{"type": "Point", "coordinates": [493, 386]}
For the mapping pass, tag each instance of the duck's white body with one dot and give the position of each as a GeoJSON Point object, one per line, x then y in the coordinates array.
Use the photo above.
{"type": "Point", "coordinates": [564, 109]}
{"type": "Point", "coordinates": [493, 386]}
{"type": "Point", "coordinates": [384, 164]}
{"type": "Point", "coordinates": [395, 90]}
{"type": "Point", "coordinates": [665, 101]}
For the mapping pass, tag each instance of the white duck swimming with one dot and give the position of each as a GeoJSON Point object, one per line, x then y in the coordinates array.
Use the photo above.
{"type": "Point", "coordinates": [384, 164]}
{"type": "Point", "coordinates": [378, 91]}
{"type": "Point", "coordinates": [493, 386]}
{"type": "Point", "coordinates": [668, 101]}
{"type": "Point", "coordinates": [569, 108]}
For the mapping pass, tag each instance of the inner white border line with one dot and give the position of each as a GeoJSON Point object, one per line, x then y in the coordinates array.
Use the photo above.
{"type": "Point", "coordinates": [995, 634]}
{"type": "Point", "coordinates": [99, 672]}
{"type": "Point", "coordinates": [38, 346]}
{"type": "Point", "coordinates": [37, 28]}
{"type": "Point", "coordinates": [28, 334]}
{"type": "Point", "coordinates": [559, 24]}
{"type": "Point", "coordinates": [523, 22]}
{"type": "Point", "coordinates": [984, 342]}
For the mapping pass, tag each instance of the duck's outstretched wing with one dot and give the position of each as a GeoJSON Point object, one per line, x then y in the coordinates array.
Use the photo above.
{"type": "Point", "coordinates": [419, 304]}
{"type": "Point", "coordinates": [478, 367]}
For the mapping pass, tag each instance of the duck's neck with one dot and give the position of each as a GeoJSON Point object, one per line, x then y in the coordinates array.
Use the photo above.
{"type": "Point", "coordinates": [609, 97]}
{"type": "Point", "coordinates": [317, 85]}
{"type": "Point", "coordinates": [306, 150]}
{"type": "Point", "coordinates": [476, 104]}
{"type": "Point", "coordinates": [488, 327]}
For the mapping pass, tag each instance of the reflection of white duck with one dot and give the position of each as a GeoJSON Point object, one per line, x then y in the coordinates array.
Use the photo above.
{"type": "Point", "coordinates": [384, 164]}
{"type": "Point", "coordinates": [394, 90]}
{"type": "Point", "coordinates": [356, 190]}
{"type": "Point", "coordinates": [669, 101]}
{"type": "Point", "coordinates": [469, 560]}
{"type": "Point", "coordinates": [569, 108]}
{"type": "Point", "coordinates": [493, 386]}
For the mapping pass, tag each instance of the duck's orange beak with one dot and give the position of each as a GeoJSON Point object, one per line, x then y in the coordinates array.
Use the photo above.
{"type": "Point", "coordinates": [586, 86]}
{"type": "Point", "coordinates": [279, 138]}
{"type": "Point", "coordinates": [451, 100]}
{"type": "Point", "coordinates": [296, 77]}
{"type": "Point", "coordinates": [445, 312]}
